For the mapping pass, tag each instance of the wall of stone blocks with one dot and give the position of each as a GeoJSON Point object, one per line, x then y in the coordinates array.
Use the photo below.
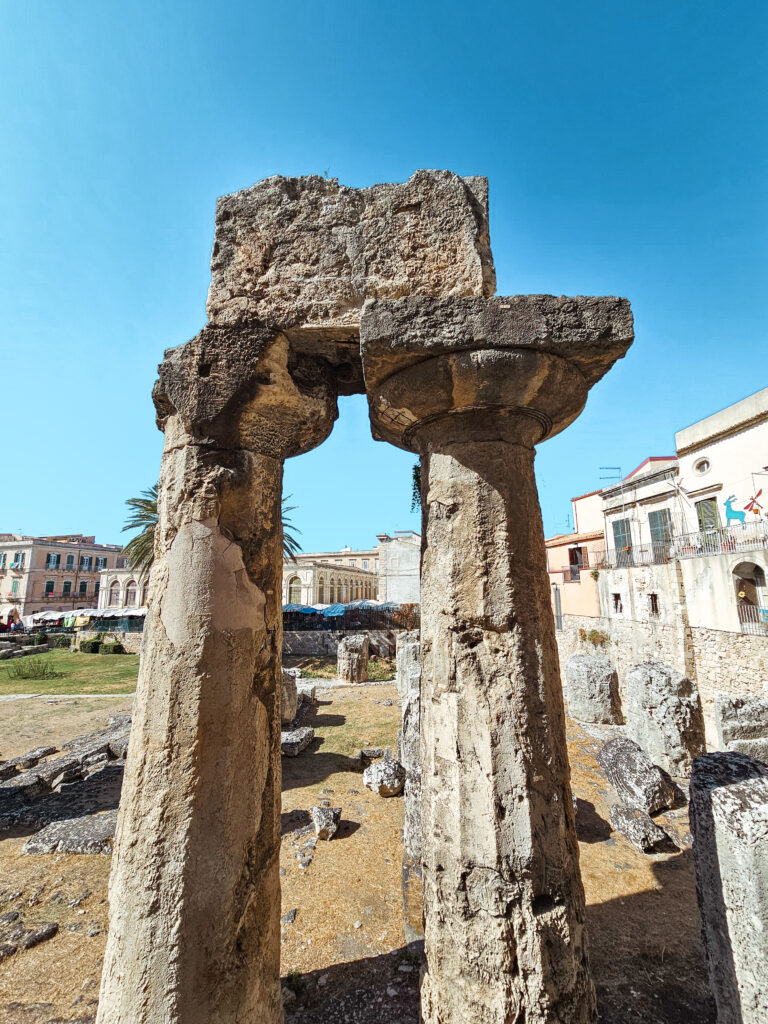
{"type": "Point", "coordinates": [720, 662]}
{"type": "Point", "coordinates": [322, 642]}
{"type": "Point", "coordinates": [130, 641]}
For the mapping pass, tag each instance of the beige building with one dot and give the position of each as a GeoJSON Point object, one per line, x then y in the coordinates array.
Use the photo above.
{"type": "Point", "coordinates": [571, 558]}
{"type": "Point", "coordinates": [123, 588]}
{"type": "Point", "coordinates": [388, 572]}
{"type": "Point", "coordinates": [52, 573]}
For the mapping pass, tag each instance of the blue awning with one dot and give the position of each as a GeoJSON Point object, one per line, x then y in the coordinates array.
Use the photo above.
{"type": "Point", "coordinates": [303, 609]}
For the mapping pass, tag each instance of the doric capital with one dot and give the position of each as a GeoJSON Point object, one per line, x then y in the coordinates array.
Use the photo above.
{"type": "Point", "coordinates": [517, 368]}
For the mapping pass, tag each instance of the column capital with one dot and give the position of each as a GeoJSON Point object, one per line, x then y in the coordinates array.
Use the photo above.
{"type": "Point", "coordinates": [516, 368]}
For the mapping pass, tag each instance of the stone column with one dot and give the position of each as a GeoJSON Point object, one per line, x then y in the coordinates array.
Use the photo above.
{"type": "Point", "coordinates": [409, 755]}
{"type": "Point", "coordinates": [352, 659]}
{"type": "Point", "coordinates": [503, 901]}
{"type": "Point", "coordinates": [195, 892]}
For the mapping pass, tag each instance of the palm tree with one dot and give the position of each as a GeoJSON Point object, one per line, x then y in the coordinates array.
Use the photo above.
{"type": "Point", "coordinates": [140, 550]}
{"type": "Point", "coordinates": [416, 486]}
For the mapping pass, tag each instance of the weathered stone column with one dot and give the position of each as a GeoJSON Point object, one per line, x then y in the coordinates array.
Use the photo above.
{"type": "Point", "coordinates": [195, 892]}
{"type": "Point", "coordinates": [473, 385]}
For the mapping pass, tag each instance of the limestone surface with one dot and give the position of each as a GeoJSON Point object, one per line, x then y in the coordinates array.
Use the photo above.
{"type": "Point", "coordinates": [92, 833]}
{"type": "Point", "coordinates": [385, 777]}
{"type": "Point", "coordinates": [664, 716]}
{"type": "Point", "coordinates": [742, 725]}
{"type": "Point", "coordinates": [294, 741]}
{"type": "Point", "coordinates": [639, 828]}
{"type": "Point", "coordinates": [326, 821]}
{"type": "Point", "coordinates": [408, 680]}
{"type": "Point", "coordinates": [729, 822]}
{"type": "Point", "coordinates": [592, 690]}
{"type": "Point", "coordinates": [289, 699]}
{"type": "Point", "coordinates": [638, 782]}
{"type": "Point", "coordinates": [352, 659]}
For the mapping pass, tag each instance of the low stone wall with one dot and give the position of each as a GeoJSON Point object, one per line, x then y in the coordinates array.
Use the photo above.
{"type": "Point", "coordinates": [319, 643]}
{"type": "Point", "coordinates": [130, 641]}
{"type": "Point", "coordinates": [720, 662]}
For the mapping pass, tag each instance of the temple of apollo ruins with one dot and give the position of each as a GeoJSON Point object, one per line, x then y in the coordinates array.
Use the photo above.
{"type": "Point", "coordinates": [319, 291]}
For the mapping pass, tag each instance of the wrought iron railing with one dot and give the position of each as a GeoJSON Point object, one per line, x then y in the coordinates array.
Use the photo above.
{"type": "Point", "coordinates": [753, 620]}
{"type": "Point", "coordinates": [745, 537]}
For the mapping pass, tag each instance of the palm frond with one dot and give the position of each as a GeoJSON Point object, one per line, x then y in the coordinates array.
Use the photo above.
{"type": "Point", "coordinates": [291, 546]}
{"type": "Point", "coordinates": [140, 550]}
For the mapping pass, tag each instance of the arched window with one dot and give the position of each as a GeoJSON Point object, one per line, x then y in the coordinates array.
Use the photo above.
{"type": "Point", "coordinates": [751, 598]}
{"type": "Point", "coordinates": [114, 595]}
{"type": "Point", "coordinates": [321, 591]}
{"type": "Point", "coordinates": [144, 593]}
{"type": "Point", "coordinates": [294, 590]}
{"type": "Point", "coordinates": [332, 591]}
{"type": "Point", "coordinates": [131, 593]}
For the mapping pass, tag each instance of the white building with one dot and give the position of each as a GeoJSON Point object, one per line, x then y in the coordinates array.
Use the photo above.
{"type": "Point", "coordinates": [123, 588]}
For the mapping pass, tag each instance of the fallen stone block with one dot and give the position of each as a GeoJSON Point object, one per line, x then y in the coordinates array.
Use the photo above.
{"type": "Point", "coordinates": [385, 777]}
{"type": "Point", "coordinates": [638, 782]}
{"type": "Point", "coordinates": [367, 755]}
{"type": "Point", "coordinates": [729, 822]}
{"type": "Point", "coordinates": [742, 725]}
{"type": "Point", "coordinates": [294, 741]}
{"type": "Point", "coordinates": [664, 716]}
{"type": "Point", "coordinates": [26, 785]}
{"type": "Point", "coordinates": [306, 692]}
{"type": "Point", "coordinates": [62, 769]}
{"type": "Point", "coordinates": [91, 833]}
{"type": "Point", "coordinates": [639, 828]}
{"type": "Point", "coordinates": [289, 700]}
{"type": "Point", "coordinates": [326, 821]}
{"type": "Point", "coordinates": [592, 690]}
{"type": "Point", "coordinates": [32, 758]}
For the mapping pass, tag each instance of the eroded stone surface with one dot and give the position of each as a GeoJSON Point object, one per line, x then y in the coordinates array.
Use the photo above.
{"type": "Point", "coordinates": [639, 828]}
{"type": "Point", "coordinates": [326, 821]}
{"type": "Point", "coordinates": [92, 833]}
{"type": "Point", "coordinates": [664, 716]}
{"type": "Point", "coordinates": [592, 690]}
{"type": "Point", "coordinates": [742, 725]}
{"type": "Point", "coordinates": [385, 777]}
{"type": "Point", "coordinates": [409, 754]}
{"type": "Point", "coordinates": [729, 822]}
{"type": "Point", "coordinates": [352, 659]}
{"type": "Point", "coordinates": [638, 782]}
{"type": "Point", "coordinates": [294, 741]}
{"type": "Point", "coordinates": [289, 702]}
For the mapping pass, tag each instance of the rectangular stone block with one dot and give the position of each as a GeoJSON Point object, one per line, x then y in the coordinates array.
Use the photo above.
{"type": "Point", "coordinates": [304, 253]}
{"type": "Point", "coordinates": [729, 823]}
{"type": "Point", "coordinates": [742, 725]}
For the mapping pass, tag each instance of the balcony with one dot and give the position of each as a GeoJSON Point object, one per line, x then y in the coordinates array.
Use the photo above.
{"type": "Point", "coordinates": [728, 539]}
{"type": "Point", "coordinates": [753, 620]}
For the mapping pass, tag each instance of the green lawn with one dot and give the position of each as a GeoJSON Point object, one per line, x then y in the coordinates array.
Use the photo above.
{"type": "Point", "coordinates": [82, 673]}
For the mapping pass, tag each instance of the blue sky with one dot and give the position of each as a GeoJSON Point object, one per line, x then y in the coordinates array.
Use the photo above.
{"type": "Point", "coordinates": [626, 149]}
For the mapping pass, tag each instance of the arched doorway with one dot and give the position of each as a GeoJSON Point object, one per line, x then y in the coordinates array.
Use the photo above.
{"type": "Point", "coordinates": [751, 598]}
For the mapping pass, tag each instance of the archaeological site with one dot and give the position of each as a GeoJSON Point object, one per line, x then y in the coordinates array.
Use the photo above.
{"type": "Point", "coordinates": [555, 839]}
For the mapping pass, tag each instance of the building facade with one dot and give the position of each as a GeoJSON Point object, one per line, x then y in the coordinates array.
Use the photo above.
{"type": "Point", "coordinates": [682, 576]}
{"type": "Point", "coordinates": [388, 572]}
{"type": "Point", "coordinates": [123, 588]}
{"type": "Point", "coordinates": [55, 573]}
{"type": "Point", "coordinates": [571, 558]}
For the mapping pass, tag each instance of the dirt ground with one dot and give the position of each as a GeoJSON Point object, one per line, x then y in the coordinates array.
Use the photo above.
{"type": "Point", "coordinates": [344, 954]}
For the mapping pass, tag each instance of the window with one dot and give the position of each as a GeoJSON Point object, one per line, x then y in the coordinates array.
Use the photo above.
{"type": "Point", "coordinates": [617, 605]}
{"type": "Point", "coordinates": [707, 514]}
{"type": "Point", "coordinates": [365, 563]}
{"type": "Point", "coordinates": [70, 562]}
{"type": "Point", "coordinates": [332, 591]}
{"type": "Point", "coordinates": [49, 588]}
{"type": "Point", "coordinates": [321, 590]}
{"type": "Point", "coordinates": [96, 589]}
{"type": "Point", "coordinates": [101, 563]}
{"type": "Point", "coordinates": [114, 595]}
{"type": "Point", "coordinates": [702, 466]}
{"type": "Point", "coordinates": [577, 560]}
{"type": "Point", "coordinates": [660, 523]}
{"type": "Point", "coordinates": [18, 559]}
{"type": "Point", "coordinates": [86, 562]}
{"type": "Point", "coordinates": [52, 561]}
{"type": "Point", "coordinates": [3, 560]}
{"type": "Point", "coordinates": [653, 605]}
{"type": "Point", "coordinates": [352, 562]}
{"type": "Point", "coordinates": [83, 589]}
{"type": "Point", "coordinates": [622, 540]}
{"type": "Point", "coordinates": [67, 588]}
{"type": "Point", "coordinates": [14, 586]}
{"type": "Point", "coordinates": [131, 593]}
{"type": "Point", "coordinates": [294, 590]}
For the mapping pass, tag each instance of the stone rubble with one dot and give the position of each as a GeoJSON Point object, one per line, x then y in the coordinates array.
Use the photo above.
{"type": "Point", "coordinates": [326, 821]}
{"type": "Point", "coordinates": [638, 782]}
{"type": "Point", "coordinates": [385, 777]}
{"type": "Point", "coordinates": [742, 725]}
{"type": "Point", "coordinates": [639, 828]}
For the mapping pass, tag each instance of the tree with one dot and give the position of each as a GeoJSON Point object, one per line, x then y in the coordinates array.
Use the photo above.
{"type": "Point", "coordinates": [416, 487]}
{"type": "Point", "coordinates": [140, 550]}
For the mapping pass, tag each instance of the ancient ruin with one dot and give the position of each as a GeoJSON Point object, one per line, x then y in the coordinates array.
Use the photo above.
{"type": "Point", "coordinates": [319, 291]}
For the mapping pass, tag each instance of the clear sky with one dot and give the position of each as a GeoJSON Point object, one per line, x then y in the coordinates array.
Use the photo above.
{"type": "Point", "coordinates": [626, 148]}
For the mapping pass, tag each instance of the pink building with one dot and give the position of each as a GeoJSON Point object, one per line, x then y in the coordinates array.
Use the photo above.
{"type": "Point", "coordinates": [570, 557]}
